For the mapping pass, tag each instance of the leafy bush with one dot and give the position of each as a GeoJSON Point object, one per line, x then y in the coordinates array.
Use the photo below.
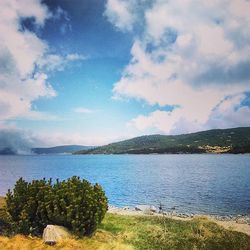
{"type": "Point", "coordinates": [74, 203]}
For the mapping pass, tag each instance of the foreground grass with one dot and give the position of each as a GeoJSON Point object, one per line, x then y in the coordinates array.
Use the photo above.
{"type": "Point", "coordinates": [130, 232]}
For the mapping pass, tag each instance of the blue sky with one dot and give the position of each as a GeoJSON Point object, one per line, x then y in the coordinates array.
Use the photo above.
{"type": "Point", "coordinates": [92, 72]}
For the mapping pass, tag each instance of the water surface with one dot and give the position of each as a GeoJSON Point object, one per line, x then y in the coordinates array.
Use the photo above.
{"type": "Point", "coordinates": [211, 184]}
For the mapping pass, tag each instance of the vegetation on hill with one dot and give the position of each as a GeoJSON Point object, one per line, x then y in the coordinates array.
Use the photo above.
{"type": "Point", "coordinates": [60, 149]}
{"type": "Point", "coordinates": [7, 151]}
{"type": "Point", "coordinates": [74, 203]}
{"type": "Point", "coordinates": [236, 140]}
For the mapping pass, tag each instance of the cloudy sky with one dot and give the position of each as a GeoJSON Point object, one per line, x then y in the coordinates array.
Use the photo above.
{"type": "Point", "coordinates": [93, 71]}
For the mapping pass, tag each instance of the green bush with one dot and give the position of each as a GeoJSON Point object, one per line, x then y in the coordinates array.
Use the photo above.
{"type": "Point", "coordinates": [74, 203]}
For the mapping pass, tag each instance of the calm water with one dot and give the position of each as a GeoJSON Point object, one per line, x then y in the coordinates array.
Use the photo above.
{"type": "Point", "coordinates": [214, 184]}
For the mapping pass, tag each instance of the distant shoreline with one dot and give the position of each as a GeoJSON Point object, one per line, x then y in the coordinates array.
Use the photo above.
{"type": "Point", "coordinates": [186, 151]}
{"type": "Point", "coordinates": [179, 153]}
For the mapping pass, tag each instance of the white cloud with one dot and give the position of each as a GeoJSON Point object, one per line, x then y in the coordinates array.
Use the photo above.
{"type": "Point", "coordinates": [212, 41]}
{"type": "Point", "coordinates": [12, 10]}
{"type": "Point", "coordinates": [23, 59]}
{"type": "Point", "coordinates": [16, 96]}
{"type": "Point", "coordinates": [228, 113]}
{"type": "Point", "coordinates": [195, 48]}
{"type": "Point", "coordinates": [120, 13]}
{"type": "Point", "coordinates": [54, 62]}
{"type": "Point", "coordinates": [75, 57]}
{"type": "Point", "coordinates": [19, 53]}
{"type": "Point", "coordinates": [24, 47]}
{"type": "Point", "coordinates": [161, 120]}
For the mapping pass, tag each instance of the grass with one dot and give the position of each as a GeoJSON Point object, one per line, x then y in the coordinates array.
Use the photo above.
{"type": "Point", "coordinates": [134, 232]}
{"type": "Point", "coordinates": [2, 202]}
{"type": "Point", "coordinates": [163, 233]}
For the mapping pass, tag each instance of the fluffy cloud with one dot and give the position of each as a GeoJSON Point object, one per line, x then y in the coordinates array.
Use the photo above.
{"type": "Point", "coordinates": [25, 59]}
{"type": "Point", "coordinates": [194, 56]}
{"type": "Point", "coordinates": [23, 47]}
{"type": "Point", "coordinates": [121, 13]}
{"type": "Point", "coordinates": [16, 96]}
{"type": "Point", "coordinates": [20, 51]}
{"type": "Point", "coordinates": [228, 113]}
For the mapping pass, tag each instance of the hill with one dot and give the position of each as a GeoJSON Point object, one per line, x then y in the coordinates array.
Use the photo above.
{"type": "Point", "coordinates": [60, 149]}
{"type": "Point", "coordinates": [235, 140]}
{"type": "Point", "coordinates": [7, 151]}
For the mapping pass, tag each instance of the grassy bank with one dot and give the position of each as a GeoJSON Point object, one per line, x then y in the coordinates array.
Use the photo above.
{"type": "Point", "coordinates": [138, 232]}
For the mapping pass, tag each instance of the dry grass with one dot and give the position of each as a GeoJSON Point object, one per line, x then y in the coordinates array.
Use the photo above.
{"type": "Point", "coordinates": [2, 202]}
{"type": "Point", "coordinates": [101, 241]}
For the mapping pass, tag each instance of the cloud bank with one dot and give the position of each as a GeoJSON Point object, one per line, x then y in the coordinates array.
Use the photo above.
{"type": "Point", "coordinates": [191, 55]}
{"type": "Point", "coordinates": [17, 141]}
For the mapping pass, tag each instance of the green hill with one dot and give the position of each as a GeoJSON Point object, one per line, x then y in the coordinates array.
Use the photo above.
{"type": "Point", "coordinates": [235, 140]}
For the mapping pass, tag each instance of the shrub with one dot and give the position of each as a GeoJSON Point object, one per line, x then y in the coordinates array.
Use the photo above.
{"type": "Point", "coordinates": [74, 203]}
{"type": "Point", "coordinates": [5, 222]}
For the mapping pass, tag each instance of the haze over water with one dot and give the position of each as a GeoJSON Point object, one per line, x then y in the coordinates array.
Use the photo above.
{"type": "Point", "coordinates": [210, 184]}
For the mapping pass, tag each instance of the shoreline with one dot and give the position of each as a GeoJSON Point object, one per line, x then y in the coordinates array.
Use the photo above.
{"type": "Point", "coordinates": [127, 153]}
{"type": "Point", "coordinates": [152, 210]}
{"type": "Point", "coordinates": [239, 223]}
{"type": "Point", "coordinates": [172, 153]}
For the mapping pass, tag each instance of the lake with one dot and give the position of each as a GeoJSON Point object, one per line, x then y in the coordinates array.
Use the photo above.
{"type": "Point", "coordinates": [199, 183]}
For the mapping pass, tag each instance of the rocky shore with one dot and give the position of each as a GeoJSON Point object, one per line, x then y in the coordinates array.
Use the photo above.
{"type": "Point", "coordinates": [152, 210]}
{"type": "Point", "coordinates": [240, 223]}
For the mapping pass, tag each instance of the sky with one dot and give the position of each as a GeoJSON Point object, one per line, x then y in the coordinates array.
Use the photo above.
{"type": "Point", "coordinates": [92, 72]}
